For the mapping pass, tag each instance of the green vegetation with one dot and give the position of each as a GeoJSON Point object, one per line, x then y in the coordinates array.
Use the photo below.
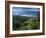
{"type": "Point", "coordinates": [25, 23]}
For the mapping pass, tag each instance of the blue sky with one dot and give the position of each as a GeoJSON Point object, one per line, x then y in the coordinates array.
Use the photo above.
{"type": "Point", "coordinates": [25, 11]}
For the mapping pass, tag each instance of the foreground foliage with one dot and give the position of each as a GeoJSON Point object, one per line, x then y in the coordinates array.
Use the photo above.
{"type": "Point", "coordinates": [25, 23]}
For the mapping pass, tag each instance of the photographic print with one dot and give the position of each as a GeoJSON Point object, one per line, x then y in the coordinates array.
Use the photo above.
{"type": "Point", "coordinates": [24, 18]}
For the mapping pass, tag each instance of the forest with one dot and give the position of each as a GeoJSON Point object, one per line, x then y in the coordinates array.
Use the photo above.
{"type": "Point", "coordinates": [25, 23]}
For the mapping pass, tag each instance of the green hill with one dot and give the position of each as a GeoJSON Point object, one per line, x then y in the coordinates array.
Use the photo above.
{"type": "Point", "coordinates": [25, 23]}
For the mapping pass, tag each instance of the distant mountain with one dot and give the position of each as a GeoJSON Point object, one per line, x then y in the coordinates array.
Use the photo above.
{"type": "Point", "coordinates": [27, 15]}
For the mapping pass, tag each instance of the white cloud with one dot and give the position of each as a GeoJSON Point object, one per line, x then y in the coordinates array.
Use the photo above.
{"type": "Point", "coordinates": [28, 15]}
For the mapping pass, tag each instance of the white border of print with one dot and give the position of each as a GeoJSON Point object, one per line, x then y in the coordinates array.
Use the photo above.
{"type": "Point", "coordinates": [26, 31]}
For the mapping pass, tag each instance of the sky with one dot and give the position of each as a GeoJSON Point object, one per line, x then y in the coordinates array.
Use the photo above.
{"type": "Point", "coordinates": [25, 11]}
